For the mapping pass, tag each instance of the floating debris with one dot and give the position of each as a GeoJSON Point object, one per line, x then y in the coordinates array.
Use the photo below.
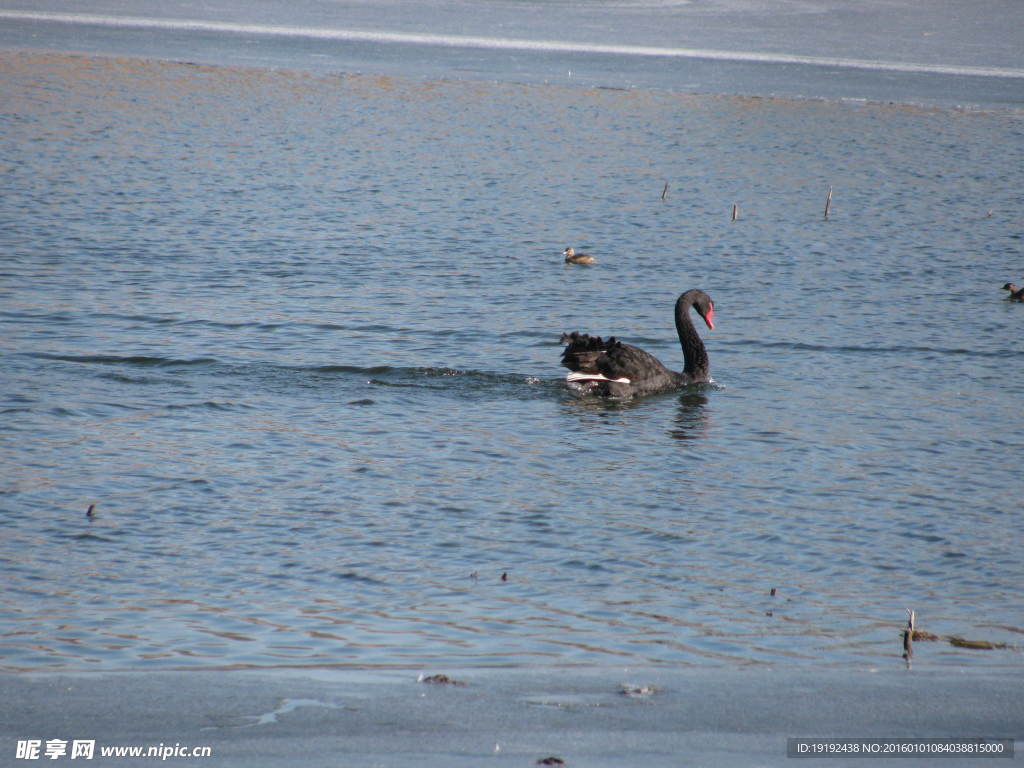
{"type": "Point", "coordinates": [629, 689]}
{"type": "Point", "coordinates": [910, 634]}
{"type": "Point", "coordinates": [439, 680]}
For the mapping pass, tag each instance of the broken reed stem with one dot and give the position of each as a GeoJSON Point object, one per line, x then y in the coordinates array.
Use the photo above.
{"type": "Point", "coordinates": [828, 202]}
{"type": "Point", "coordinates": [735, 211]}
{"type": "Point", "coordinates": [908, 636]}
{"type": "Point", "coordinates": [911, 633]}
{"type": "Point", "coordinates": [664, 191]}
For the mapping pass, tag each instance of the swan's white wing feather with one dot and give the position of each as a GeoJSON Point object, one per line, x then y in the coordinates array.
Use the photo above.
{"type": "Point", "coordinates": [579, 376]}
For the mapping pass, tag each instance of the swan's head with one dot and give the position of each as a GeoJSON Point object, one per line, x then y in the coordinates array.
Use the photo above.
{"type": "Point", "coordinates": [705, 307]}
{"type": "Point", "coordinates": [709, 315]}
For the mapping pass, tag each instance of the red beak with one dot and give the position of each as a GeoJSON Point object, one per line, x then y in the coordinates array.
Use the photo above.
{"type": "Point", "coordinates": [709, 318]}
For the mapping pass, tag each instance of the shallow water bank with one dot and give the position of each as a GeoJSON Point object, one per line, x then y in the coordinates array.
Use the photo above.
{"type": "Point", "coordinates": [341, 717]}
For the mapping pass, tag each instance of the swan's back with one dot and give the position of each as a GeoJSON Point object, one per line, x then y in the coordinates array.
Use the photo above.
{"type": "Point", "coordinates": [645, 372]}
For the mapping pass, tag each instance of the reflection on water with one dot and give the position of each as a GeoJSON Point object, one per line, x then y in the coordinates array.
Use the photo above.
{"type": "Point", "coordinates": [693, 418]}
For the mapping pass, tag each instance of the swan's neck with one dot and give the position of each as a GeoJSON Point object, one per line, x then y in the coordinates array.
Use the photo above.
{"type": "Point", "coordinates": [695, 356]}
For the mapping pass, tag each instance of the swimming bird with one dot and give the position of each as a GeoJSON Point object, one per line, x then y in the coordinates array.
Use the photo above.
{"type": "Point", "coordinates": [614, 369]}
{"type": "Point", "coordinates": [1015, 295]}
{"type": "Point", "coordinates": [571, 257]}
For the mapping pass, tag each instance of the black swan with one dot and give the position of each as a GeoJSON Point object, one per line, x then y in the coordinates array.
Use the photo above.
{"type": "Point", "coordinates": [571, 257]}
{"type": "Point", "coordinates": [1015, 295]}
{"type": "Point", "coordinates": [613, 369]}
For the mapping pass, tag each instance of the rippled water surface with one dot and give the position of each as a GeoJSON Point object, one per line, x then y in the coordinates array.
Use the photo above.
{"type": "Point", "coordinates": [296, 336]}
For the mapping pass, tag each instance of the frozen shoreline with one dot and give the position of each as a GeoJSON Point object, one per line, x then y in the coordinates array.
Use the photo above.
{"type": "Point", "coordinates": [352, 717]}
{"type": "Point", "coordinates": [757, 59]}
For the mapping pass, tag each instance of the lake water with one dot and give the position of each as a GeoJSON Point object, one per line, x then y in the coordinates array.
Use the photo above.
{"type": "Point", "coordinates": [290, 319]}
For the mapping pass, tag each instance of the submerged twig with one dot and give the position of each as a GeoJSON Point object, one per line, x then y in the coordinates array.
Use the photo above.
{"type": "Point", "coordinates": [978, 645]}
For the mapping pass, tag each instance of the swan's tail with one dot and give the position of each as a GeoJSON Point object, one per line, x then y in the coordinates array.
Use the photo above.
{"type": "Point", "coordinates": [582, 351]}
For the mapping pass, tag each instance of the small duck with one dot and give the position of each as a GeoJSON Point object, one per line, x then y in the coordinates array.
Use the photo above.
{"type": "Point", "coordinates": [571, 257]}
{"type": "Point", "coordinates": [1015, 295]}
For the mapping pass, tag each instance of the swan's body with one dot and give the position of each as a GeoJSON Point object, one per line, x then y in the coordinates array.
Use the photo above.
{"type": "Point", "coordinates": [1015, 295]}
{"type": "Point", "coordinates": [571, 257]}
{"type": "Point", "coordinates": [614, 369]}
